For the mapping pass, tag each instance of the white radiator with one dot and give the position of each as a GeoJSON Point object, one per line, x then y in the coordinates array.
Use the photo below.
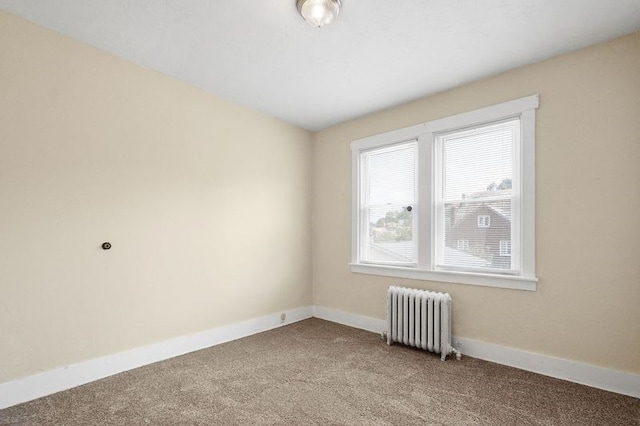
{"type": "Point", "coordinates": [420, 318]}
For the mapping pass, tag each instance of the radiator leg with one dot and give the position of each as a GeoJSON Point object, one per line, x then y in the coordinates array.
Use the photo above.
{"type": "Point", "coordinates": [458, 353]}
{"type": "Point", "coordinates": [452, 350]}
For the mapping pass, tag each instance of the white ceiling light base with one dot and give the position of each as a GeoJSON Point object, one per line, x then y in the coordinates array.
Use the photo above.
{"type": "Point", "coordinates": [319, 13]}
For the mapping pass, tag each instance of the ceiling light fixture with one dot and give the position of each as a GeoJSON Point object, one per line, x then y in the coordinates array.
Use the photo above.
{"type": "Point", "coordinates": [319, 13]}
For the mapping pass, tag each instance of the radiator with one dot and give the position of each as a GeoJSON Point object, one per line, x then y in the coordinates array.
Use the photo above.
{"type": "Point", "coordinates": [420, 318]}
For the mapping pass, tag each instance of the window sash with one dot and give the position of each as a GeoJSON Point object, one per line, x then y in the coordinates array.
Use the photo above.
{"type": "Point", "coordinates": [366, 207]}
{"type": "Point", "coordinates": [440, 202]}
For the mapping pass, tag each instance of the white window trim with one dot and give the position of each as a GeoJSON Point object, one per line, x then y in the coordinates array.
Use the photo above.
{"type": "Point", "coordinates": [425, 133]}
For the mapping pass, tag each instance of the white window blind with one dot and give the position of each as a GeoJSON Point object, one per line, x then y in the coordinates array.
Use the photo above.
{"type": "Point", "coordinates": [388, 219]}
{"type": "Point", "coordinates": [476, 197]}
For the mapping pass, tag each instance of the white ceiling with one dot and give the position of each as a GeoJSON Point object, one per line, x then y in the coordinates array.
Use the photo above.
{"type": "Point", "coordinates": [378, 53]}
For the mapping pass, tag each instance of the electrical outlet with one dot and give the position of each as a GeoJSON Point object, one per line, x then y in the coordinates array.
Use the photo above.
{"type": "Point", "coordinates": [283, 317]}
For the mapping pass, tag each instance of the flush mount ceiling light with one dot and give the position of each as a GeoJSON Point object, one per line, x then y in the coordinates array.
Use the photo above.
{"type": "Point", "coordinates": [319, 13]}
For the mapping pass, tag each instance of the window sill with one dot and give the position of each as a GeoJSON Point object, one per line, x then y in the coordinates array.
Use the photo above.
{"type": "Point", "coordinates": [487, 280]}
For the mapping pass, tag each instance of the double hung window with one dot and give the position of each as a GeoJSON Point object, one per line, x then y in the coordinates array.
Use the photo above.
{"type": "Point", "coordinates": [449, 200]}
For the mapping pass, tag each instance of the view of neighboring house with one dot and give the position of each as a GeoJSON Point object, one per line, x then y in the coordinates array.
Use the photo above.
{"type": "Point", "coordinates": [481, 229]}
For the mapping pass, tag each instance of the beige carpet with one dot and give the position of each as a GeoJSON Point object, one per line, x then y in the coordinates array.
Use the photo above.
{"type": "Point", "coordinates": [319, 373]}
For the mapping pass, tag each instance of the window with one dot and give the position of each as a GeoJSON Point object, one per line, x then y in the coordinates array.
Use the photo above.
{"type": "Point", "coordinates": [449, 200]}
{"type": "Point", "coordinates": [484, 221]}
{"type": "Point", "coordinates": [463, 245]}
{"type": "Point", "coordinates": [505, 248]}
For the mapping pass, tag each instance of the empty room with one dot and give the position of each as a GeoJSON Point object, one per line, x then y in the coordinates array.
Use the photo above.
{"type": "Point", "coordinates": [320, 212]}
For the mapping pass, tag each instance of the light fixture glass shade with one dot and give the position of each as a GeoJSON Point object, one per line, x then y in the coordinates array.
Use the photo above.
{"type": "Point", "coordinates": [319, 13]}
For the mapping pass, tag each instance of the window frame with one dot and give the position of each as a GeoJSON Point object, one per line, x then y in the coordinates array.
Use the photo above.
{"type": "Point", "coordinates": [425, 223]}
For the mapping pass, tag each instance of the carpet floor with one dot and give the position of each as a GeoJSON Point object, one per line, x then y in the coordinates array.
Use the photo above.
{"type": "Point", "coordinates": [319, 373]}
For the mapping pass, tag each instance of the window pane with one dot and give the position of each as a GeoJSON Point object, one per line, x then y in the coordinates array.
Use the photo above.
{"type": "Point", "coordinates": [391, 175]}
{"type": "Point", "coordinates": [391, 235]}
{"type": "Point", "coordinates": [478, 163]}
{"type": "Point", "coordinates": [477, 178]}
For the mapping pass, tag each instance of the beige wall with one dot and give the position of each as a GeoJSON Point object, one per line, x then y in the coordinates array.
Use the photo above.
{"type": "Point", "coordinates": [206, 204]}
{"type": "Point", "coordinates": [587, 307]}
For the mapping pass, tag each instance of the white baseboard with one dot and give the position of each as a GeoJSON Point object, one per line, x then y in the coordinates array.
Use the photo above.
{"type": "Point", "coordinates": [352, 320]}
{"type": "Point", "coordinates": [560, 368]}
{"type": "Point", "coordinates": [49, 382]}
{"type": "Point", "coordinates": [52, 381]}
{"type": "Point", "coordinates": [577, 372]}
